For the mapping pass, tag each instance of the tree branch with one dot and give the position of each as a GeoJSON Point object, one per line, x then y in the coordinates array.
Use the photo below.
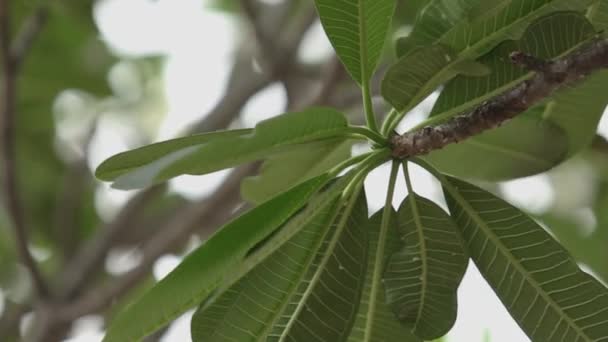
{"type": "Point", "coordinates": [549, 76]}
{"type": "Point", "coordinates": [11, 196]}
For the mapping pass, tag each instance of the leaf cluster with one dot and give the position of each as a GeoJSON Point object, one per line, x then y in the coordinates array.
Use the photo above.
{"type": "Point", "coordinates": [308, 264]}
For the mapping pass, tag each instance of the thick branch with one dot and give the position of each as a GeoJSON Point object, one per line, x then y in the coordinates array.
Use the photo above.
{"type": "Point", "coordinates": [549, 76]}
{"type": "Point", "coordinates": [11, 196]}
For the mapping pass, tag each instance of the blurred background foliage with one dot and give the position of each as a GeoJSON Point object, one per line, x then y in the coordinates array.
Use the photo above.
{"type": "Point", "coordinates": [72, 81]}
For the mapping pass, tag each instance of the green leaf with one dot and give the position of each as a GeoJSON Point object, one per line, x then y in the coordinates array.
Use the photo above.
{"type": "Point", "coordinates": [536, 279]}
{"type": "Point", "coordinates": [291, 167]}
{"type": "Point", "coordinates": [326, 309]}
{"type": "Point", "coordinates": [435, 20]}
{"type": "Point", "coordinates": [589, 249]}
{"type": "Point", "coordinates": [471, 40]}
{"type": "Point", "coordinates": [159, 154]}
{"type": "Point", "coordinates": [252, 306]}
{"type": "Point", "coordinates": [357, 30]}
{"type": "Point", "coordinates": [522, 147]}
{"type": "Point", "coordinates": [383, 323]}
{"type": "Point", "coordinates": [208, 266]}
{"type": "Point", "coordinates": [417, 74]}
{"type": "Point", "coordinates": [219, 151]}
{"type": "Point", "coordinates": [598, 14]}
{"type": "Point", "coordinates": [549, 37]}
{"type": "Point", "coordinates": [423, 277]}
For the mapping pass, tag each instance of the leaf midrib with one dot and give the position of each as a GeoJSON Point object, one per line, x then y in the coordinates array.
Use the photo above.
{"type": "Point", "coordinates": [423, 254]}
{"type": "Point", "coordinates": [322, 263]}
{"type": "Point", "coordinates": [505, 251]}
{"type": "Point", "coordinates": [293, 289]}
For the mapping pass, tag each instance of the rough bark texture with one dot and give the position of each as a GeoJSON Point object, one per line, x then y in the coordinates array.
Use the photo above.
{"type": "Point", "coordinates": [549, 76]}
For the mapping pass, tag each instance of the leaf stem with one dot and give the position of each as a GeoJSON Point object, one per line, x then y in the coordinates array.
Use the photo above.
{"type": "Point", "coordinates": [390, 117]}
{"type": "Point", "coordinates": [370, 163]}
{"type": "Point", "coordinates": [379, 261]}
{"type": "Point", "coordinates": [368, 133]}
{"type": "Point", "coordinates": [335, 171]}
{"type": "Point", "coordinates": [370, 116]}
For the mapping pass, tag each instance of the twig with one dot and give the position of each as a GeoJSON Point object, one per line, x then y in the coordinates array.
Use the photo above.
{"type": "Point", "coordinates": [549, 76]}
{"type": "Point", "coordinates": [11, 196]}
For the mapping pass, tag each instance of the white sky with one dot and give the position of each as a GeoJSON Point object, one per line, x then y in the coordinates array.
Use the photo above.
{"type": "Point", "coordinates": [198, 44]}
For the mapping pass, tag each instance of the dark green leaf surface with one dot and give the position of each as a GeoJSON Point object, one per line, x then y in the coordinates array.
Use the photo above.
{"type": "Point", "coordinates": [519, 148]}
{"type": "Point", "coordinates": [382, 324]}
{"type": "Point", "coordinates": [252, 306]}
{"type": "Point", "coordinates": [209, 265]}
{"type": "Point", "coordinates": [470, 40]}
{"type": "Point", "coordinates": [291, 167]}
{"type": "Point", "coordinates": [535, 278]}
{"type": "Point", "coordinates": [218, 151]}
{"type": "Point", "coordinates": [357, 30]}
{"type": "Point", "coordinates": [435, 20]}
{"type": "Point", "coordinates": [423, 277]}
{"type": "Point", "coordinates": [326, 309]}
{"type": "Point", "coordinates": [419, 73]}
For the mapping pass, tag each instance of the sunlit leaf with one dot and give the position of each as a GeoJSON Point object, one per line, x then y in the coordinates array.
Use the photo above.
{"type": "Point", "coordinates": [422, 278]}
{"type": "Point", "coordinates": [536, 279]}
{"type": "Point", "coordinates": [159, 154]}
{"type": "Point", "coordinates": [208, 153]}
{"type": "Point", "coordinates": [375, 320]}
{"type": "Point", "coordinates": [291, 167]}
{"type": "Point", "coordinates": [357, 29]}
{"type": "Point", "coordinates": [209, 266]}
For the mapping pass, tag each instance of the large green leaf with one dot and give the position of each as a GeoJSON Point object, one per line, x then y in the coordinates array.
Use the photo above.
{"type": "Point", "coordinates": [158, 154]}
{"type": "Point", "coordinates": [252, 306]}
{"type": "Point", "coordinates": [519, 148]}
{"type": "Point", "coordinates": [422, 278]}
{"type": "Point", "coordinates": [375, 320]}
{"type": "Point", "coordinates": [357, 29]}
{"type": "Point", "coordinates": [548, 37]}
{"type": "Point", "coordinates": [217, 260]}
{"type": "Point", "coordinates": [219, 151]}
{"type": "Point", "coordinates": [291, 167]}
{"type": "Point", "coordinates": [533, 275]}
{"type": "Point", "coordinates": [326, 309]}
{"type": "Point", "coordinates": [470, 40]}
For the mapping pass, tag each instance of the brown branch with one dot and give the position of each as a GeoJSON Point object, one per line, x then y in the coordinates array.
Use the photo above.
{"type": "Point", "coordinates": [11, 195]}
{"type": "Point", "coordinates": [549, 76]}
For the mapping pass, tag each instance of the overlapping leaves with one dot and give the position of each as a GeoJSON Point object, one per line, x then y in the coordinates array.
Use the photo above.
{"type": "Point", "coordinates": [201, 154]}
{"type": "Point", "coordinates": [469, 41]}
{"type": "Point", "coordinates": [535, 278]}
{"type": "Point", "coordinates": [422, 278]}
{"type": "Point", "coordinates": [300, 277]}
{"type": "Point", "coordinates": [204, 270]}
